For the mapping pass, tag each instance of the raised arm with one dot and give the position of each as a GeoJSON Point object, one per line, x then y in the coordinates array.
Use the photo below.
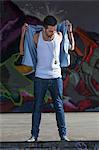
{"type": "Point", "coordinates": [70, 34]}
{"type": "Point", "coordinates": [21, 46]}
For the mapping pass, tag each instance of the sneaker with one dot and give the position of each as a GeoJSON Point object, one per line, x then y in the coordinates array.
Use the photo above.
{"type": "Point", "coordinates": [64, 138]}
{"type": "Point", "coordinates": [32, 139]}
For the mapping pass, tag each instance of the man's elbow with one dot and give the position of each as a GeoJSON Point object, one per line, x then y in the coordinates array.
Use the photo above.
{"type": "Point", "coordinates": [72, 47]}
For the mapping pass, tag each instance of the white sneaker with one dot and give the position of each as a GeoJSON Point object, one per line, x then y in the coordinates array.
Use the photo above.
{"type": "Point", "coordinates": [65, 138]}
{"type": "Point", "coordinates": [32, 139]}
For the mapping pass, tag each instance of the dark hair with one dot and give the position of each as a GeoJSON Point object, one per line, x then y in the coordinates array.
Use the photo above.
{"type": "Point", "coordinates": [49, 20]}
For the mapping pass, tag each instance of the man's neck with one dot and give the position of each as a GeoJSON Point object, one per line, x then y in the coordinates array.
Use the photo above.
{"type": "Point", "coordinates": [46, 38]}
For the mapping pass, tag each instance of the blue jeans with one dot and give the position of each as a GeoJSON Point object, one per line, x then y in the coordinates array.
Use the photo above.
{"type": "Point", "coordinates": [55, 86]}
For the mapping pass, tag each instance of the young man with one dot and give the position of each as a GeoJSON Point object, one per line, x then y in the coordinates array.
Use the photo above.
{"type": "Point", "coordinates": [48, 73]}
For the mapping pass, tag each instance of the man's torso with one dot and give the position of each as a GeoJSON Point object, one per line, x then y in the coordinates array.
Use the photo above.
{"type": "Point", "coordinates": [48, 57]}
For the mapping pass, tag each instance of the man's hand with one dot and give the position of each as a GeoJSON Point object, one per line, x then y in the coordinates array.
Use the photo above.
{"type": "Point", "coordinates": [24, 29]}
{"type": "Point", "coordinates": [69, 26]}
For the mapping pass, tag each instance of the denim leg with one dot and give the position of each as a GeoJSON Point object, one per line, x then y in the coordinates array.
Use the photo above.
{"type": "Point", "coordinates": [40, 88]}
{"type": "Point", "coordinates": [56, 89]}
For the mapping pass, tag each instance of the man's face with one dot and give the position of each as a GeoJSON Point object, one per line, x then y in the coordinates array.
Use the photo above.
{"type": "Point", "coordinates": [50, 30]}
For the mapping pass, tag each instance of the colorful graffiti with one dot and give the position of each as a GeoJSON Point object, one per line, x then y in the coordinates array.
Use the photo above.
{"type": "Point", "coordinates": [81, 79]}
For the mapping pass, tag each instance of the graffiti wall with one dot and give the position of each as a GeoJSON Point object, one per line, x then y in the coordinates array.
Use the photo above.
{"type": "Point", "coordinates": [80, 79]}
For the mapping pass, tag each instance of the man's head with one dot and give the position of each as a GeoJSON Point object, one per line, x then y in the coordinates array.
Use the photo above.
{"type": "Point", "coordinates": [49, 24]}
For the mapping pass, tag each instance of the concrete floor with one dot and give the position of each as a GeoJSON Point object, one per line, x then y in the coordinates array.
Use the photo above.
{"type": "Point", "coordinates": [81, 126]}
